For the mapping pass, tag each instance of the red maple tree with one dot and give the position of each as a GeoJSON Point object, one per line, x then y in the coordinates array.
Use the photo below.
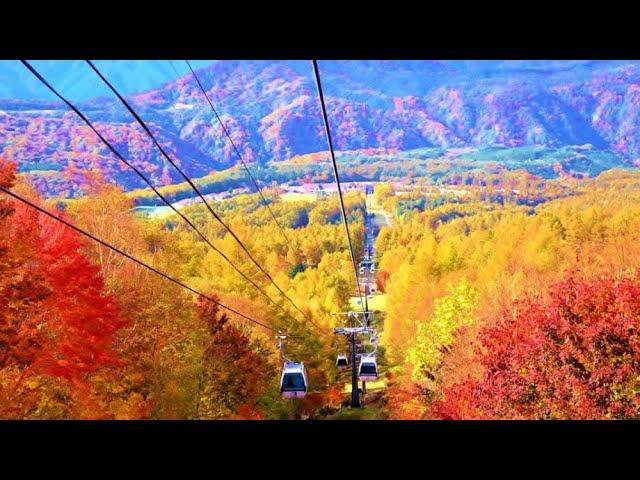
{"type": "Point", "coordinates": [55, 317]}
{"type": "Point", "coordinates": [570, 353]}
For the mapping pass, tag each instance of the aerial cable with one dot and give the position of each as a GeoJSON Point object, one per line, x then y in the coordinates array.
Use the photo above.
{"type": "Point", "coordinates": [175, 70]}
{"type": "Point", "coordinates": [190, 182]}
{"type": "Point", "coordinates": [235, 148]}
{"type": "Point", "coordinates": [139, 262]}
{"type": "Point", "coordinates": [335, 171]}
{"type": "Point", "coordinates": [246, 167]}
{"type": "Point", "coordinates": [193, 186]}
{"type": "Point", "coordinates": [146, 180]}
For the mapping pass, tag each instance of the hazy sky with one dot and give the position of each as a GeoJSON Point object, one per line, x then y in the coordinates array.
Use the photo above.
{"type": "Point", "coordinates": [75, 77]}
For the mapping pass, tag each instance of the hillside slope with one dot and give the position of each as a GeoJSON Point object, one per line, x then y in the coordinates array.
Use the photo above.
{"type": "Point", "coordinates": [272, 110]}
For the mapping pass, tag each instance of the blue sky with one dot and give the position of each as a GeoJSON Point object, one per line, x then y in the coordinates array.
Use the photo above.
{"type": "Point", "coordinates": [75, 78]}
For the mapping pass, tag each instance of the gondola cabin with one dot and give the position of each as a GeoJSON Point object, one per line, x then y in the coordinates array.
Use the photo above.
{"type": "Point", "coordinates": [293, 383]}
{"type": "Point", "coordinates": [368, 370]}
{"type": "Point", "coordinates": [342, 362]}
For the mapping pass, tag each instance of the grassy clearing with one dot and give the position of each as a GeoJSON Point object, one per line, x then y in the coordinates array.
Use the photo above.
{"type": "Point", "coordinates": [298, 197]}
{"type": "Point", "coordinates": [379, 384]}
{"type": "Point", "coordinates": [155, 212]}
{"type": "Point", "coordinates": [357, 414]}
{"type": "Point", "coordinates": [377, 302]}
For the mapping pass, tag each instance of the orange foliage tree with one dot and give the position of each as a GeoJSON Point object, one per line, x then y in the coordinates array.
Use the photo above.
{"type": "Point", "coordinates": [235, 373]}
{"type": "Point", "coordinates": [56, 320]}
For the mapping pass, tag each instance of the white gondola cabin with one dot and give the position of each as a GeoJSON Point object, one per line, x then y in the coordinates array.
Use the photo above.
{"type": "Point", "coordinates": [341, 361]}
{"type": "Point", "coordinates": [293, 383]}
{"type": "Point", "coordinates": [368, 370]}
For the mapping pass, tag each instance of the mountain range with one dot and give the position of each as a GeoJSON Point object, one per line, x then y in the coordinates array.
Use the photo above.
{"type": "Point", "coordinates": [271, 109]}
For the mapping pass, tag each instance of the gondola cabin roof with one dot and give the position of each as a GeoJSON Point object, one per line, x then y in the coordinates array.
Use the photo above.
{"type": "Point", "coordinates": [293, 366]}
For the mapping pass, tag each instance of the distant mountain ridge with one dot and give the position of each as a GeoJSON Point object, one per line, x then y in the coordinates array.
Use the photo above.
{"type": "Point", "coordinates": [272, 111]}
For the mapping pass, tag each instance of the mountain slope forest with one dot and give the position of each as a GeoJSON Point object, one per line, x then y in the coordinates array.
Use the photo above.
{"type": "Point", "coordinates": [466, 277]}
{"type": "Point", "coordinates": [89, 334]}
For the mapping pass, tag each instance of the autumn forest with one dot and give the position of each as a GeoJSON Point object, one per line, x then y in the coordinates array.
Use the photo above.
{"type": "Point", "coordinates": [503, 273]}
